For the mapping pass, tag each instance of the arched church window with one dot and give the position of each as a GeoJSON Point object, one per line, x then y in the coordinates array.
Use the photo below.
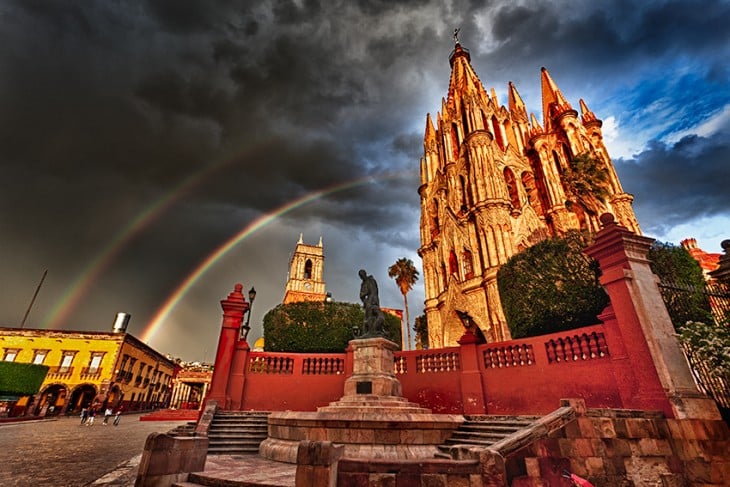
{"type": "Point", "coordinates": [454, 141]}
{"type": "Point", "coordinates": [533, 197]}
{"type": "Point", "coordinates": [464, 123]}
{"type": "Point", "coordinates": [464, 202]}
{"type": "Point", "coordinates": [468, 264]}
{"type": "Point", "coordinates": [567, 152]}
{"type": "Point", "coordinates": [558, 165]}
{"type": "Point", "coordinates": [509, 179]}
{"type": "Point", "coordinates": [497, 132]}
{"type": "Point", "coordinates": [453, 263]}
{"type": "Point", "coordinates": [434, 218]}
{"type": "Point", "coordinates": [308, 269]}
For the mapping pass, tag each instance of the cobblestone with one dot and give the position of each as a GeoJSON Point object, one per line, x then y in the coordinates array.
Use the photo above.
{"type": "Point", "coordinates": [63, 453]}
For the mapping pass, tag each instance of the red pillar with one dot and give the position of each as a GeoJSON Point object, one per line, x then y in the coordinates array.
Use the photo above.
{"type": "Point", "coordinates": [472, 388]}
{"type": "Point", "coordinates": [651, 370]}
{"type": "Point", "coordinates": [234, 308]}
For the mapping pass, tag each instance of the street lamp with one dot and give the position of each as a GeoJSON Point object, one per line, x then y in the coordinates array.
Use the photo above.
{"type": "Point", "coordinates": [251, 297]}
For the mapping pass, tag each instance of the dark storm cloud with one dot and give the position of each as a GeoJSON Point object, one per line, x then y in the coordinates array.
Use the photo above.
{"type": "Point", "coordinates": [679, 182]}
{"type": "Point", "coordinates": [231, 109]}
{"type": "Point", "coordinates": [565, 36]}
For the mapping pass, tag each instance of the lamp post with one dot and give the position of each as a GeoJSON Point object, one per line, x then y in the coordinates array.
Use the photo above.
{"type": "Point", "coordinates": [251, 297]}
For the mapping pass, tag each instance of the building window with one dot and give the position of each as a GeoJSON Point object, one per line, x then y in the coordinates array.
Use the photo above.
{"type": "Point", "coordinates": [39, 356]}
{"type": "Point", "coordinates": [95, 362]}
{"type": "Point", "coordinates": [10, 354]}
{"type": "Point", "coordinates": [308, 269]}
{"type": "Point", "coordinates": [66, 361]}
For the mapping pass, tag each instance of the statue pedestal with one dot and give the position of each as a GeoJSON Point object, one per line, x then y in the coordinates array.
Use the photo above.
{"type": "Point", "coordinates": [371, 420]}
{"type": "Point", "coordinates": [373, 369]}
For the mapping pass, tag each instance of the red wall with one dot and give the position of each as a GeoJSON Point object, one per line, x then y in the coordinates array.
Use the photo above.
{"type": "Point", "coordinates": [293, 381]}
{"type": "Point", "coordinates": [518, 377]}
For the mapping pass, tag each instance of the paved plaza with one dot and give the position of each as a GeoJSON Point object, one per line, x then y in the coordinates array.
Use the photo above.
{"type": "Point", "coordinates": [61, 452]}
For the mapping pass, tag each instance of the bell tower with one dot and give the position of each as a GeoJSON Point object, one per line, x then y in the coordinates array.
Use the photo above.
{"type": "Point", "coordinates": [305, 281]}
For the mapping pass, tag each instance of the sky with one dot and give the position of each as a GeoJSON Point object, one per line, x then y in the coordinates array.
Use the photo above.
{"type": "Point", "coordinates": [154, 153]}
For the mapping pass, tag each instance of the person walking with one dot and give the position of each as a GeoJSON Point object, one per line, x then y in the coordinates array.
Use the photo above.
{"type": "Point", "coordinates": [92, 415]}
{"type": "Point", "coordinates": [84, 415]}
{"type": "Point", "coordinates": [107, 415]}
{"type": "Point", "coordinates": [116, 416]}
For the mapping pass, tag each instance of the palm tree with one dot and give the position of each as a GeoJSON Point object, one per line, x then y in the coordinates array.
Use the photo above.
{"type": "Point", "coordinates": [405, 275]}
{"type": "Point", "coordinates": [586, 182]}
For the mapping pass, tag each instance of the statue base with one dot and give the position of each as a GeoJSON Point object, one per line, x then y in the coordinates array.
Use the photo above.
{"type": "Point", "coordinates": [371, 420]}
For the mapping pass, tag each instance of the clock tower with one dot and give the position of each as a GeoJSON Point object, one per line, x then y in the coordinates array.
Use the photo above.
{"type": "Point", "coordinates": [305, 281]}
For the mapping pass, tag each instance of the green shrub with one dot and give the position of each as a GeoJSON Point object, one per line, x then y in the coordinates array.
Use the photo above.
{"type": "Point", "coordinates": [313, 326]}
{"type": "Point", "coordinates": [552, 286]}
{"type": "Point", "coordinates": [20, 379]}
{"type": "Point", "coordinates": [682, 283]}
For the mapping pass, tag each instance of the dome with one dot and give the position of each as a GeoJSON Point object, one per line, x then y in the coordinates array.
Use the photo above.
{"type": "Point", "coordinates": [258, 345]}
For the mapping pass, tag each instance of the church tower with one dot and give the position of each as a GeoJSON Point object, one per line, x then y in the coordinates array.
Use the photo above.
{"type": "Point", "coordinates": [494, 181]}
{"type": "Point", "coordinates": [306, 282]}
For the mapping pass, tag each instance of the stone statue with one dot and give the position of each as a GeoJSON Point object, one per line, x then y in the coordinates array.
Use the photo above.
{"type": "Point", "coordinates": [374, 322]}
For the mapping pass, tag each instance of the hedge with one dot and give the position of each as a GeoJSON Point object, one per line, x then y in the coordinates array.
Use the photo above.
{"type": "Point", "coordinates": [21, 379]}
{"type": "Point", "coordinates": [550, 287]}
{"type": "Point", "coordinates": [317, 327]}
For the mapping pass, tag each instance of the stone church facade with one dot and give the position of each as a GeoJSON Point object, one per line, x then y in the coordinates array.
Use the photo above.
{"type": "Point", "coordinates": [494, 181]}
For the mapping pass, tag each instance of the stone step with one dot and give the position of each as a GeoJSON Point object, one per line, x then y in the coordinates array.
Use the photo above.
{"type": "Point", "coordinates": [225, 430]}
{"type": "Point", "coordinates": [237, 432]}
{"type": "Point", "coordinates": [486, 430]}
{"type": "Point", "coordinates": [492, 428]}
{"type": "Point", "coordinates": [240, 420]}
{"type": "Point", "coordinates": [373, 410]}
{"type": "Point", "coordinates": [201, 479]}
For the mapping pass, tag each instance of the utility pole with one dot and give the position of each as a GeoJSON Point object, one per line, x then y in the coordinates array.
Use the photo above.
{"type": "Point", "coordinates": [22, 323]}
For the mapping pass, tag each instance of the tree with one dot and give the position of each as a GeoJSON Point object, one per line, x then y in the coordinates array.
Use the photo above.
{"type": "Point", "coordinates": [586, 183]}
{"type": "Point", "coordinates": [314, 326]}
{"type": "Point", "coordinates": [682, 283]}
{"type": "Point", "coordinates": [552, 286]}
{"type": "Point", "coordinates": [405, 275]}
{"type": "Point", "coordinates": [420, 327]}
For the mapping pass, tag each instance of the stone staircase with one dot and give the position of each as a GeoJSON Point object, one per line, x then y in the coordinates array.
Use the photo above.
{"type": "Point", "coordinates": [237, 432]}
{"type": "Point", "coordinates": [187, 429]}
{"type": "Point", "coordinates": [484, 431]}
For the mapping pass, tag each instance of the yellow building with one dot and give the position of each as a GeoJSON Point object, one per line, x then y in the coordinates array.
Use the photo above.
{"type": "Point", "coordinates": [88, 369]}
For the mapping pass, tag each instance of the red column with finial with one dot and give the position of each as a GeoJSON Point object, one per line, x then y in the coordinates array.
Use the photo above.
{"type": "Point", "coordinates": [652, 372]}
{"type": "Point", "coordinates": [234, 308]}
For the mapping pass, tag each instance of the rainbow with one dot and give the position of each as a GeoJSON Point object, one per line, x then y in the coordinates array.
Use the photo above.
{"type": "Point", "coordinates": [81, 285]}
{"type": "Point", "coordinates": [173, 299]}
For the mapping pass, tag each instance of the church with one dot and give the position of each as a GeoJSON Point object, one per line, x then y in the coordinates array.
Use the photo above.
{"type": "Point", "coordinates": [495, 181]}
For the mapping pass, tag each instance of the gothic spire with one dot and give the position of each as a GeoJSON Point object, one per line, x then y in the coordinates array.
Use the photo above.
{"type": "Point", "coordinates": [516, 105]}
{"type": "Point", "coordinates": [586, 114]}
{"type": "Point", "coordinates": [430, 130]}
{"type": "Point", "coordinates": [463, 78]}
{"type": "Point", "coordinates": [553, 101]}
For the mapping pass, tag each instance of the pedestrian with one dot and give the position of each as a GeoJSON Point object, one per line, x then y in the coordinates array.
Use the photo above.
{"type": "Point", "coordinates": [107, 415]}
{"type": "Point", "coordinates": [84, 415]}
{"type": "Point", "coordinates": [92, 415]}
{"type": "Point", "coordinates": [116, 417]}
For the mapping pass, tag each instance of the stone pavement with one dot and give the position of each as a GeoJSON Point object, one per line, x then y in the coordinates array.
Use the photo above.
{"type": "Point", "coordinates": [251, 468]}
{"type": "Point", "coordinates": [61, 452]}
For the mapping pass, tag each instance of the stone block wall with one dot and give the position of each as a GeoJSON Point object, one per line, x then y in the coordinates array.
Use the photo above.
{"type": "Point", "coordinates": [629, 448]}
{"type": "Point", "coordinates": [409, 473]}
